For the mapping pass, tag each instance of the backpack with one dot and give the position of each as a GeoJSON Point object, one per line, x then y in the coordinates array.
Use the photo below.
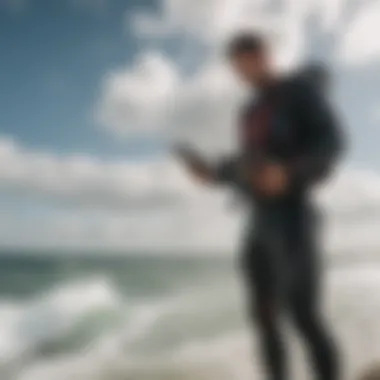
{"type": "Point", "coordinates": [317, 75]}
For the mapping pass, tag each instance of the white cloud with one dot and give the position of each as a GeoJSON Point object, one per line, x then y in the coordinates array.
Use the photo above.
{"type": "Point", "coordinates": [136, 100]}
{"type": "Point", "coordinates": [216, 17]}
{"type": "Point", "coordinates": [112, 205]}
{"type": "Point", "coordinates": [155, 96]}
{"type": "Point", "coordinates": [214, 20]}
{"type": "Point", "coordinates": [211, 22]}
{"type": "Point", "coordinates": [353, 195]}
{"type": "Point", "coordinates": [152, 97]}
{"type": "Point", "coordinates": [359, 43]}
{"type": "Point", "coordinates": [112, 202]}
{"type": "Point", "coordinates": [205, 223]}
{"type": "Point", "coordinates": [87, 181]}
{"type": "Point", "coordinates": [173, 231]}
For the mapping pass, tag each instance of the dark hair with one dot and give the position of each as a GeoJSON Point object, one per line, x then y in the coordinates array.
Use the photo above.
{"type": "Point", "coordinates": [245, 43]}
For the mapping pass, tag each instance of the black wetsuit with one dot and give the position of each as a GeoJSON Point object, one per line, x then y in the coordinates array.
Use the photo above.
{"type": "Point", "coordinates": [291, 122]}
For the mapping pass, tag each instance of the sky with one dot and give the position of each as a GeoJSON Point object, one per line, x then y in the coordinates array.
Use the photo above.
{"type": "Point", "coordinates": [94, 92]}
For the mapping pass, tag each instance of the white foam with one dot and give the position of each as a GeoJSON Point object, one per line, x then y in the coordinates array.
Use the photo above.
{"type": "Point", "coordinates": [62, 308]}
{"type": "Point", "coordinates": [353, 304]}
{"type": "Point", "coordinates": [25, 328]}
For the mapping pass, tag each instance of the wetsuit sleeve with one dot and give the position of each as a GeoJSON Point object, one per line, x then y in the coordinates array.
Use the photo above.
{"type": "Point", "coordinates": [226, 170]}
{"type": "Point", "coordinates": [322, 135]}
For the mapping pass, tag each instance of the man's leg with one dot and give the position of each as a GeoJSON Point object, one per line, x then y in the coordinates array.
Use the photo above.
{"type": "Point", "coordinates": [304, 295]}
{"type": "Point", "coordinates": [260, 278]}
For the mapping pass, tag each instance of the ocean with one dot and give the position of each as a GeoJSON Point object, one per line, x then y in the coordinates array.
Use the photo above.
{"type": "Point", "coordinates": [142, 317]}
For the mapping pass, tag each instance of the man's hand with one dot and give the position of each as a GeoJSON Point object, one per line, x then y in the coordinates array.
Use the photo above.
{"type": "Point", "coordinates": [272, 180]}
{"type": "Point", "coordinates": [201, 173]}
{"type": "Point", "coordinates": [198, 168]}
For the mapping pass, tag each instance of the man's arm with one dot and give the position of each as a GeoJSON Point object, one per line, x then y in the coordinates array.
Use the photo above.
{"type": "Point", "coordinates": [325, 141]}
{"type": "Point", "coordinates": [196, 164]}
{"type": "Point", "coordinates": [226, 170]}
{"type": "Point", "coordinates": [222, 172]}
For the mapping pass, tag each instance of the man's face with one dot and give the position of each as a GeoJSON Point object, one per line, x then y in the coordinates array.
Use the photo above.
{"type": "Point", "coordinates": [251, 67]}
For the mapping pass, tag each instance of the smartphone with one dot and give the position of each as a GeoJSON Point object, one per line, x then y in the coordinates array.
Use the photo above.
{"type": "Point", "coordinates": [186, 153]}
{"type": "Point", "coordinates": [191, 157]}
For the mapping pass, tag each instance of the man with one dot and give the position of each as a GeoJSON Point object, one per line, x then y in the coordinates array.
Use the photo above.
{"type": "Point", "coordinates": [318, 76]}
{"type": "Point", "coordinates": [289, 141]}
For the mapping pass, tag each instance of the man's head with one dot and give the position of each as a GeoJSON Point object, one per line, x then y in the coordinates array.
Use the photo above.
{"type": "Point", "coordinates": [248, 53]}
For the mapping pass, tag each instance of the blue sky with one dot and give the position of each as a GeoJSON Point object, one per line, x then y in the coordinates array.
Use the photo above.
{"type": "Point", "coordinates": [54, 55]}
{"type": "Point", "coordinates": [91, 93]}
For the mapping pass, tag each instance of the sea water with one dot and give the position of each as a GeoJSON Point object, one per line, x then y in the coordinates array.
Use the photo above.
{"type": "Point", "coordinates": [147, 317]}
